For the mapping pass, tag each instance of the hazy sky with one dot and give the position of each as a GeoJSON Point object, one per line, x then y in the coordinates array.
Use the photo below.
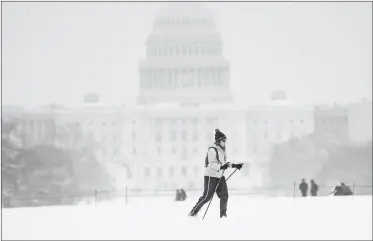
{"type": "Point", "coordinates": [55, 52]}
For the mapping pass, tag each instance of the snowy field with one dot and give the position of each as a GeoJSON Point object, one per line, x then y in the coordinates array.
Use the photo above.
{"type": "Point", "coordinates": [348, 218]}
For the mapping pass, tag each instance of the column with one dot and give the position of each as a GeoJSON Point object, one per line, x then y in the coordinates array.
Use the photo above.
{"type": "Point", "coordinates": [147, 79]}
{"type": "Point", "coordinates": [154, 77]}
{"type": "Point", "coordinates": [213, 77]}
{"type": "Point", "coordinates": [150, 79]}
{"type": "Point", "coordinates": [220, 77]}
{"type": "Point", "coordinates": [195, 78]}
{"type": "Point", "coordinates": [176, 50]}
{"type": "Point", "coordinates": [176, 78]}
{"type": "Point", "coordinates": [169, 78]}
{"type": "Point", "coordinates": [141, 79]}
{"type": "Point", "coordinates": [183, 79]}
{"type": "Point", "coordinates": [155, 80]}
{"type": "Point", "coordinates": [226, 77]}
{"type": "Point", "coordinates": [159, 79]}
{"type": "Point", "coordinates": [199, 78]}
{"type": "Point", "coordinates": [191, 78]}
{"type": "Point", "coordinates": [183, 53]}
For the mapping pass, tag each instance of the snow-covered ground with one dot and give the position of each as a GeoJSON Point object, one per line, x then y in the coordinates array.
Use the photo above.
{"type": "Point", "coordinates": [162, 218]}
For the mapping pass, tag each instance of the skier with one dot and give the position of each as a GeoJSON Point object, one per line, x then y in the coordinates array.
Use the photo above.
{"type": "Point", "coordinates": [215, 163]}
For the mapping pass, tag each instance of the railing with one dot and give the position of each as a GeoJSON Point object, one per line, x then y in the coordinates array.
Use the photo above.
{"type": "Point", "coordinates": [96, 196]}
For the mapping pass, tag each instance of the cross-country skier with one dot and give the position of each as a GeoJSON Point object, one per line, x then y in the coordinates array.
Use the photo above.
{"type": "Point", "coordinates": [215, 163]}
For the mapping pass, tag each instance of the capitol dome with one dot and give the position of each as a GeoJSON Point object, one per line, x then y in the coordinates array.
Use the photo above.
{"type": "Point", "coordinates": [184, 58]}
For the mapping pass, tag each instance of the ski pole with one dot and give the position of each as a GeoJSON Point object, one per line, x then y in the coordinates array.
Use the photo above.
{"type": "Point", "coordinates": [231, 174]}
{"type": "Point", "coordinates": [213, 194]}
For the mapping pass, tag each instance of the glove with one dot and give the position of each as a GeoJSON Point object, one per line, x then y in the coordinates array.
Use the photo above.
{"type": "Point", "coordinates": [225, 166]}
{"type": "Point", "coordinates": [238, 166]}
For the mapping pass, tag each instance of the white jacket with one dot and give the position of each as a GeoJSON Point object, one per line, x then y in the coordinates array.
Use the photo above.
{"type": "Point", "coordinates": [213, 167]}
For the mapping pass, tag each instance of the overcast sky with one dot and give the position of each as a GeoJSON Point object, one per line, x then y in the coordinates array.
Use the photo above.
{"type": "Point", "coordinates": [56, 52]}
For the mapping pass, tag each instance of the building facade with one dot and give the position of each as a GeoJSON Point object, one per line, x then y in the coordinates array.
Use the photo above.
{"type": "Point", "coordinates": [332, 122]}
{"type": "Point", "coordinates": [360, 121]}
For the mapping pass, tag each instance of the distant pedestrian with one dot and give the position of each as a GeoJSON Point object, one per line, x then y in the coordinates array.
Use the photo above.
{"type": "Point", "coordinates": [178, 195]}
{"type": "Point", "coordinates": [346, 190]}
{"type": "Point", "coordinates": [183, 194]}
{"type": "Point", "coordinates": [342, 190]}
{"type": "Point", "coordinates": [314, 188]}
{"type": "Point", "coordinates": [303, 187]}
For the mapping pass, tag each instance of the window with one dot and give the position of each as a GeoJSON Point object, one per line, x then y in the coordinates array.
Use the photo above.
{"type": "Point", "coordinates": [159, 171]}
{"type": "Point", "coordinates": [183, 122]}
{"type": "Point", "coordinates": [195, 122]}
{"type": "Point", "coordinates": [133, 150]}
{"type": "Point", "coordinates": [184, 153]}
{"type": "Point", "coordinates": [159, 151]}
{"type": "Point", "coordinates": [147, 172]}
{"type": "Point", "coordinates": [173, 135]}
{"type": "Point", "coordinates": [278, 135]}
{"type": "Point", "coordinates": [184, 135]}
{"type": "Point", "coordinates": [184, 171]}
{"type": "Point", "coordinates": [173, 150]}
{"type": "Point", "coordinates": [195, 136]}
{"type": "Point", "coordinates": [301, 121]}
{"type": "Point", "coordinates": [158, 124]}
{"type": "Point", "coordinates": [195, 150]}
{"type": "Point", "coordinates": [172, 171]}
{"type": "Point", "coordinates": [134, 136]}
{"type": "Point", "coordinates": [158, 137]}
{"type": "Point", "coordinates": [265, 135]}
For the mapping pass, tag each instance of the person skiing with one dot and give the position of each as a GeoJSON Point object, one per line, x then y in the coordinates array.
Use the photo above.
{"type": "Point", "coordinates": [215, 164]}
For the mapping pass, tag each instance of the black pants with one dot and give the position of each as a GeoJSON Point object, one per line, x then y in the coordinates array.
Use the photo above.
{"type": "Point", "coordinates": [210, 184]}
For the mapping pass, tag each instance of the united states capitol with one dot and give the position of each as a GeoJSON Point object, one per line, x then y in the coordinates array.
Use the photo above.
{"type": "Point", "coordinates": [184, 95]}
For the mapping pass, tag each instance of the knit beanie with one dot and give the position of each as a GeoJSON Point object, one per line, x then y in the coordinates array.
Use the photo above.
{"type": "Point", "coordinates": [219, 135]}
